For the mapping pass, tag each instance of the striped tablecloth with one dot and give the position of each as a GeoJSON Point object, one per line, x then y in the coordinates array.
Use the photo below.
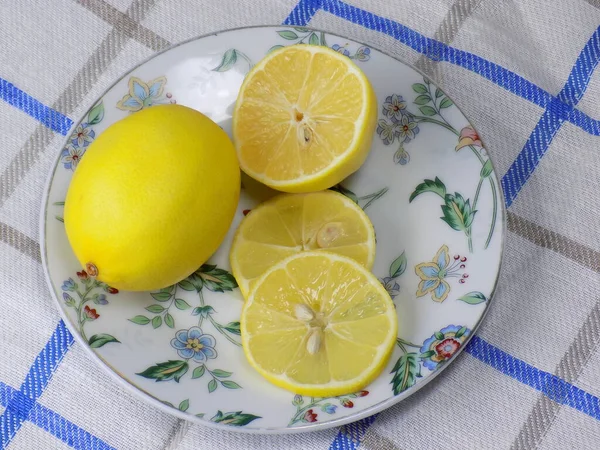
{"type": "Point", "coordinates": [522, 71]}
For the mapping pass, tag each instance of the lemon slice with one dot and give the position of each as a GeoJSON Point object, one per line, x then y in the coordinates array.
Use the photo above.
{"type": "Point", "coordinates": [304, 119]}
{"type": "Point", "coordinates": [292, 223]}
{"type": "Point", "coordinates": [319, 324]}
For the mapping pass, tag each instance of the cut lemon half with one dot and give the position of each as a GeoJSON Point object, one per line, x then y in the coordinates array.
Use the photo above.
{"type": "Point", "coordinates": [319, 324]}
{"type": "Point", "coordinates": [292, 223]}
{"type": "Point", "coordinates": [304, 119]}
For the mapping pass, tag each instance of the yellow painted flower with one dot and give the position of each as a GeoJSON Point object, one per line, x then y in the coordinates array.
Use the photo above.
{"type": "Point", "coordinates": [434, 273]}
{"type": "Point", "coordinates": [142, 95]}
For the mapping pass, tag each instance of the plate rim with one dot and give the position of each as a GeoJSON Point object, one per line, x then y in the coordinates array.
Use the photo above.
{"type": "Point", "coordinates": [154, 401]}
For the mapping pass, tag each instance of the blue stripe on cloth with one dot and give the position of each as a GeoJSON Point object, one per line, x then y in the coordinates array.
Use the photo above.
{"type": "Point", "coordinates": [550, 385]}
{"type": "Point", "coordinates": [350, 435]}
{"type": "Point", "coordinates": [560, 109]}
{"type": "Point", "coordinates": [19, 99]}
{"type": "Point", "coordinates": [303, 12]}
{"type": "Point", "coordinates": [582, 71]}
{"type": "Point", "coordinates": [23, 401]}
{"type": "Point", "coordinates": [57, 425]}
{"type": "Point", "coordinates": [529, 157]}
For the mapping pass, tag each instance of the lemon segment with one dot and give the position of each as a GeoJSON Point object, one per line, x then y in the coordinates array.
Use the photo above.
{"type": "Point", "coordinates": [304, 119]}
{"type": "Point", "coordinates": [318, 324]}
{"type": "Point", "coordinates": [292, 223]}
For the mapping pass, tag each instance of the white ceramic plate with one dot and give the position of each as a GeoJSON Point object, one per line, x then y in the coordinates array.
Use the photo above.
{"type": "Point", "coordinates": [428, 186]}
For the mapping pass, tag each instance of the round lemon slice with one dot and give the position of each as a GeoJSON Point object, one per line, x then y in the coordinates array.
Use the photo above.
{"type": "Point", "coordinates": [304, 119]}
{"type": "Point", "coordinates": [319, 324]}
{"type": "Point", "coordinates": [292, 223]}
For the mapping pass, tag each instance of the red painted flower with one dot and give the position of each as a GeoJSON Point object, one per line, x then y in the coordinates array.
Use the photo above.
{"type": "Point", "coordinates": [90, 313]}
{"type": "Point", "coordinates": [246, 212]}
{"type": "Point", "coordinates": [82, 275]}
{"type": "Point", "coordinates": [92, 270]}
{"type": "Point", "coordinates": [309, 416]}
{"type": "Point", "coordinates": [347, 403]}
{"type": "Point", "coordinates": [112, 290]}
{"type": "Point", "coordinates": [362, 393]}
{"type": "Point", "coordinates": [468, 136]}
{"type": "Point", "coordinates": [447, 348]}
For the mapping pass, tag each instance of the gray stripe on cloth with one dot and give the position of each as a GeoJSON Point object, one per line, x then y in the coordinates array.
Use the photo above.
{"type": "Point", "coordinates": [20, 241]}
{"type": "Point", "coordinates": [126, 24]}
{"type": "Point", "coordinates": [545, 238]}
{"type": "Point", "coordinates": [447, 31]}
{"type": "Point", "coordinates": [544, 412]}
{"type": "Point", "coordinates": [66, 103]}
{"type": "Point", "coordinates": [595, 3]}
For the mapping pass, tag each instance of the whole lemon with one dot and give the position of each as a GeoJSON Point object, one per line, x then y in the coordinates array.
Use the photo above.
{"type": "Point", "coordinates": [152, 198]}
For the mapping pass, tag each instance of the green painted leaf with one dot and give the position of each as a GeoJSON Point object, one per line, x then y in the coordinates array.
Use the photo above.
{"type": "Point", "coordinates": [436, 186]}
{"type": "Point", "coordinates": [406, 371]}
{"type": "Point", "coordinates": [155, 309]}
{"type": "Point", "coordinates": [96, 114]}
{"type": "Point", "coordinates": [323, 42]}
{"type": "Point", "coordinates": [288, 34]}
{"type": "Point", "coordinates": [473, 298]}
{"type": "Point", "coordinates": [198, 372]}
{"type": "Point", "coordinates": [182, 304]}
{"type": "Point", "coordinates": [398, 267]}
{"type": "Point", "coordinates": [427, 111]}
{"type": "Point", "coordinates": [99, 340]}
{"type": "Point", "coordinates": [59, 203]}
{"type": "Point", "coordinates": [428, 354]}
{"type": "Point", "coordinates": [439, 335]}
{"type": "Point", "coordinates": [420, 88]}
{"type": "Point", "coordinates": [186, 285]}
{"type": "Point", "coordinates": [487, 169]}
{"type": "Point", "coordinates": [212, 385]}
{"type": "Point", "coordinates": [184, 405]}
{"type": "Point", "coordinates": [205, 311]}
{"type": "Point", "coordinates": [221, 373]}
{"type": "Point", "coordinates": [215, 279]}
{"type": "Point", "coordinates": [228, 60]}
{"type": "Point", "coordinates": [236, 419]}
{"type": "Point", "coordinates": [460, 332]}
{"type": "Point", "coordinates": [347, 192]}
{"type": "Point", "coordinates": [168, 403]}
{"type": "Point", "coordinates": [168, 289]}
{"type": "Point", "coordinates": [233, 328]}
{"type": "Point", "coordinates": [275, 47]}
{"type": "Point", "coordinates": [156, 322]}
{"type": "Point", "coordinates": [301, 29]}
{"type": "Point", "coordinates": [140, 320]}
{"type": "Point", "coordinates": [314, 39]}
{"type": "Point", "coordinates": [161, 296]}
{"type": "Point", "coordinates": [165, 371]}
{"type": "Point", "coordinates": [446, 103]}
{"type": "Point", "coordinates": [201, 415]}
{"type": "Point", "coordinates": [230, 384]}
{"type": "Point", "coordinates": [60, 219]}
{"type": "Point", "coordinates": [438, 93]}
{"type": "Point", "coordinates": [422, 99]}
{"type": "Point", "coordinates": [169, 320]}
{"type": "Point", "coordinates": [457, 212]}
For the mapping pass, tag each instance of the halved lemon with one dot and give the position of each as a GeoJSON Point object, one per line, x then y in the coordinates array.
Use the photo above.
{"type": "Point", "coordinates": [292, 223]}
{"type": "Point", "coordinates": [304, 119]}
{"type": "Point", "coordinates": [319, 324]}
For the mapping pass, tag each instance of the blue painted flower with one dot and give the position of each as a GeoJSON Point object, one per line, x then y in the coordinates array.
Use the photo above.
{"type": "Point", "coordinates": [340, 49]}
{"type": "Point", "coordinates": [328, 408]}
{"type": "Point", "coordinates": [142, 95]}
{"type": "Point", "coordinates": [434, 273]}
{"type": "Point", "coordinates": [387, 131]}
{"type": "Point", "coordinates": [193, 344]}
{"type": "Point", "coordinates": [363, 54]}
{"type": "Point", "coordinates": [401, 156]}
{"type": "Point", "coordinates": [394, 107]}
{"type": "Point", "coordinates": [407, 128]}
{"type": "Point", "coordinates": [100, 300]}
{"type": "Point", "coordinates": [71, 156]}
{"type": "Point", "coordinates": [69, 285]}
{"type": "Point", "coordinates": [391, 286]}
{"type": "Point", "coordinates": [443, 345]}
{"type": "Point", "coordinates": [82, 136]}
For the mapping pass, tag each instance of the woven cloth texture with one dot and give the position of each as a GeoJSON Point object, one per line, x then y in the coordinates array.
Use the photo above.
{"type": "Point", "coordinates": [524, 72]}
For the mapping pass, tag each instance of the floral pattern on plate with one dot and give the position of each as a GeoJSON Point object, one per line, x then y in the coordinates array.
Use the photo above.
{"type": "Point", "coordinates": [179, 347]}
